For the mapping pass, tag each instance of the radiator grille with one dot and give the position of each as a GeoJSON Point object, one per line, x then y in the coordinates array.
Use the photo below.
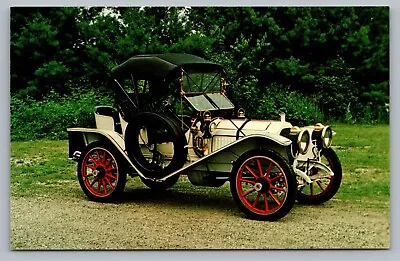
{"type": "Point", "coordinates": [221, 141]}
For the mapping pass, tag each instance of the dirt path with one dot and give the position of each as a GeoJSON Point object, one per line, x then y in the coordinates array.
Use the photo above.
{"type": "Point", "coordinates": [177, 220]}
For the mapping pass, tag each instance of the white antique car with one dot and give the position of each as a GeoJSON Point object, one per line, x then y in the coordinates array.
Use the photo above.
{"type": "Point", "coordinates": [173, 118]}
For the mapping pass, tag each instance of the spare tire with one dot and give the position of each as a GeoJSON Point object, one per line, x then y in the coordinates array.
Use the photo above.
{"type": "Point", "coordinates": [156, 144]}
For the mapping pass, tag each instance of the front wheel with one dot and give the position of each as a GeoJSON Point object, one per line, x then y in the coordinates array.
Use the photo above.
{"type": "Point", "coordinates": [100, 174]}
{"type": "Point", "coordinates": [323, 187]}
{"type": "Point", "coordinates": [263, 185]}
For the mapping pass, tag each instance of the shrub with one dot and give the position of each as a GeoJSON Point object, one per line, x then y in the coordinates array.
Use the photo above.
{"type": "Point", "coordinates": [51, 117]}
{"type": "Point", "coordinates": [299, 109]}
{"type": "Point", "coordinates": [374, 114]}
{"type": "Point", "coordinates": [276, 98]}
{"type": "Point", "coordinates": [336, 90]}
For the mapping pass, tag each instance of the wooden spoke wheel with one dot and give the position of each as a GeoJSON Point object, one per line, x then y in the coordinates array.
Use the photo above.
{"type": "Point", "coordinates": [324, 186]}
{"type": "Point", "coordinates": [100, 174]}
{"type": "Point", "coordinates": [263, 185]}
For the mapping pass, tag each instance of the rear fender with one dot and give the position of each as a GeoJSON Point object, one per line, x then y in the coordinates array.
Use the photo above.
{"type": "Point", "coordinates": [79, 138]}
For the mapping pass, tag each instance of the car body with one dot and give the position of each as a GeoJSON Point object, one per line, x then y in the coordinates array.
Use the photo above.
{"type": "Point", "coordinates": [173, 118]}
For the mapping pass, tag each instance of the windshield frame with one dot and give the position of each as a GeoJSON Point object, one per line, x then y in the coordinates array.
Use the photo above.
{"type": "Point", "coordinates": [212, 105]}
{"type": "Point", "coordinates": [210, 102]}
{"type": "Point", "coordinates": [217, 76]}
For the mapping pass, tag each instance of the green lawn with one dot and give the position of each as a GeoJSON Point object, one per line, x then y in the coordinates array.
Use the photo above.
{"type": "Point", "coordinates": [42, 169]}
{"type": "Point", "coordinates": [364, 154]}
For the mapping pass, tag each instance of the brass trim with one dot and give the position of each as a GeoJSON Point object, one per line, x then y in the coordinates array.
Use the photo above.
{"type": "Point", "coordinates": [318, 126]}
{"type": "Point", "coordinates": [299, 141]}
{"type": "Point", "coordinates": [322, 137]}
{"type": "Point", "coordinates": [295, 130]}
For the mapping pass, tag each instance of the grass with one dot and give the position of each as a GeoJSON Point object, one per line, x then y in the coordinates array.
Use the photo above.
{"type": "Point", "coordinates": [41, 168]}
{"type": "Point", "coordinates": [364, 152]}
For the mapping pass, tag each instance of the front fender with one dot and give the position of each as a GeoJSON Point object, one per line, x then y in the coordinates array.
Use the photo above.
{"type": "Point", "coordinates": [222, 159]}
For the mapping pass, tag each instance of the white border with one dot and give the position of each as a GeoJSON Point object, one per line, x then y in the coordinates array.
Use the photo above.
{"type": "Point", "coordinates": [364, 255]}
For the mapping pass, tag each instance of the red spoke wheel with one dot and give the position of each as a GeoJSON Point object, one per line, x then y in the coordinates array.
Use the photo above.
{"type": "Point", "coordinates": [99, 173]}
{"type": "Point", "coordinates": [263, 185]}
{"type": "Point", "coordinates": [324, 186]}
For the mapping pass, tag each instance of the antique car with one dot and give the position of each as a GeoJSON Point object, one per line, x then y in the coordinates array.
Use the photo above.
{"type": "Point", "coordinates": [173, 118]}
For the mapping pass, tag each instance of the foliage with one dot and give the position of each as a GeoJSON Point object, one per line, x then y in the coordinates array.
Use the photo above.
{"type": "Point", "coordinates": [50, 117]}
{"type": "Point", "coordinates": [43, 49]}
{"type": "Point", "coordinates": [328, 53]}
{"type": "Point", "coordinates": [274, 99]}
{"type": "Point", "coordinates": [334, 58]}
{"type": "Point", "coordinates": [300, 109]}
{"type": "Point", "coordinates": [336, 90]}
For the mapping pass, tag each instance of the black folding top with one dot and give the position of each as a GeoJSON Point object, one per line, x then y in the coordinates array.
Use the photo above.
{"type": "Point", "coordinates": [164, 66]}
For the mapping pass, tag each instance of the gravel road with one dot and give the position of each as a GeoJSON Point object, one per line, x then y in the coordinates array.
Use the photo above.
{"type": "Point", "coordinates": [188, 220]}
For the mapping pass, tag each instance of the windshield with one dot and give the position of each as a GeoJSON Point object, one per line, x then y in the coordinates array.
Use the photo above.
{"type": "Point", "coordinates": [210, 101]}
{"type": "Point", "coordinates": [200, 82]}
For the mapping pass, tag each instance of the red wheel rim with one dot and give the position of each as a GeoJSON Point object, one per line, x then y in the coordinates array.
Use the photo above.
{"type": "Point", "coordinates": [100, 172]}
{"type": "Point", "coordinates": [321, 186]}
{"type": "Point", "coordinates": [261, 185]}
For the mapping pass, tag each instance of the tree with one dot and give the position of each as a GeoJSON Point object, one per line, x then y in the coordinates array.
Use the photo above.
{"type": "Point", "coordinates": [42, 49]}
{"type": "Point", "coordinates": [337, 57]}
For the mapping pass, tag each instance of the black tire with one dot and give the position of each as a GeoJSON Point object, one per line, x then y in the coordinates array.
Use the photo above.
{"type": "Point", "coordinates": [277, 185]}
{"type": "Point", "coordinates": [163, 185]}
{"type": "Point", "coordinates": [102, 162]}
{"type": "Point", "coordinates": [328, 191]}
{"type": "Point", "coordinates": [162, 128]}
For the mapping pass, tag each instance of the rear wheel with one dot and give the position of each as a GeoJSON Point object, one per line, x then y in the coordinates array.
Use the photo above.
{"type": "Point", "coordinates": [324, 186]}
{"type": "Point", "coordinates": [100, 174]}
{"type": "Point", "coordinates": [263, 185]}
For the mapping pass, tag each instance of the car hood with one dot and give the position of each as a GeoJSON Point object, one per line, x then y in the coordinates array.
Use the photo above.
{"type": "Point", "coordinates": [230, 127]}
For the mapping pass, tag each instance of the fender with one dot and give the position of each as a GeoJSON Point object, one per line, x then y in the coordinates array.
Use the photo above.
{"type": "Point", "coordinates": [79, 138]}
{"type": "Point", "coordinates": [224, 158]}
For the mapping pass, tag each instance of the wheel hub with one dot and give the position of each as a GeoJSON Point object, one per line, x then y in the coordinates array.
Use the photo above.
{"type": "Point", "coordinates": [262, 185]}
{"type": "Point", "coordinates": [99, 172]}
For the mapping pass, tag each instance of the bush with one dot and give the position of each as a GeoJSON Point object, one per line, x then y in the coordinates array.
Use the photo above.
{"type": "Point", "coordinates": [300, 109]}
{"type": "Point", "coordinates": [336, 90]}
{"type": "Point", "coordinates": [276, 98]}
{"type": "Point", "coordinates": [374, 114]}
{"type": "Point", "coordinates": [49, 118]}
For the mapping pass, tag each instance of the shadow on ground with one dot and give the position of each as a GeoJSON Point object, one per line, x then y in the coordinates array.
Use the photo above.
{"type": "Point", "coordinates": [197, 198]}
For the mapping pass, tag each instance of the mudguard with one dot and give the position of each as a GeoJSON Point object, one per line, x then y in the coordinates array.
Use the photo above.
{"type": "Point", "coordinates": [222, 160]}
{"type": "Point", "coordinates": [79, 138]}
